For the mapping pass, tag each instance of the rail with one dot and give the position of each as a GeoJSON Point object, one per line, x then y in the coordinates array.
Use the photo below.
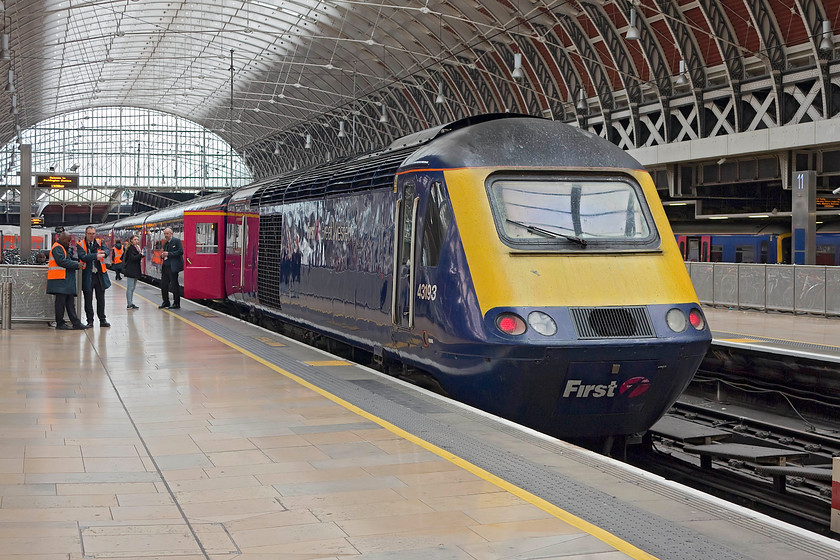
{"type": "Point", "coordinates": [768, 287]}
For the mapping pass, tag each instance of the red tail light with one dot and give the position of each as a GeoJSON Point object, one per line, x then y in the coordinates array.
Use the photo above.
{"type": "Point", "coordinates": [510, 323]}
{"type": "Point", "coordinates": [696, 319]}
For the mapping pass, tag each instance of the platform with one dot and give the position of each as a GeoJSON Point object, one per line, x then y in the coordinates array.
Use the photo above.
{"type": "Point", "coordinates": [190, 435]}
{"type": "Point", "coordinates": [806, 336]}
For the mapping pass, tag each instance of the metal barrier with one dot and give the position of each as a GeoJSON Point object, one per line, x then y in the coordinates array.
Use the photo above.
{"type": "Point", "coordinates": [768, 287]}
{"type": "Point", "coordinates": [29, 298]}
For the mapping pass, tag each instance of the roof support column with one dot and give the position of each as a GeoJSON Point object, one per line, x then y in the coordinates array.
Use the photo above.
{"type": "Point", "coordinates": [25, 202]}
{"type": "Point", "coordinates": [804, 218]}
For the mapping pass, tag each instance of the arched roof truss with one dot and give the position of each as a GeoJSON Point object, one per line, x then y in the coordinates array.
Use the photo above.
{"type": "Point", "coordinates": [265, 75]}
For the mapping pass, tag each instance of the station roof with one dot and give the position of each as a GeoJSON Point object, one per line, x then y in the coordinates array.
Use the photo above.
{"type": "Point", "coordinates": [273, 70]}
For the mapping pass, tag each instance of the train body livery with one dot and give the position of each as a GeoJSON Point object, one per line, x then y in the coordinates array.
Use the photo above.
{"type": "Point", "coordinates": [525, 265]}
{"type": "Point", "coordinates": [766, 243]}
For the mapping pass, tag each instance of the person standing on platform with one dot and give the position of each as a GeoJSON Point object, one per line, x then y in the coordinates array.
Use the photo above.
{"type": "Point", "coordinates": [131, 269]}
{"type": "Point", "coordinates": [61, 281]}
{"type": "Point", "coordinates": [94, 276]}
{"type": "Point", "coordinates": [172, 265]}
{"type": "Point", "coordinates": [117, 260]}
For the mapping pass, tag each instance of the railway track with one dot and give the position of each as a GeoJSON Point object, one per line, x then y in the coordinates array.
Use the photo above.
{"type": "Point", "coordinates": [801, 500]}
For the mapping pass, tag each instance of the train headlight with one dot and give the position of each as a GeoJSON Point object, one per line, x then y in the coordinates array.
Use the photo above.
{"type": "Point", "coordinates": [510, 323]}
{"type": "Point", "coordinates": [676, 320]}
{"type": "Point", "coordinates": [542, 323]}
{"type": "Point", "coordinates": [696, 319]}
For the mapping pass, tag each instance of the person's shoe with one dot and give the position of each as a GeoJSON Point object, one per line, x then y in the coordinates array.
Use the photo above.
{"type": "Point", "coordinates": [79, 327]}
{"type": "Point", "coordinates": [89, 324]}
{"type": "Point", "coordinates": [176, 306]}
{"type": "Point", "coordinates": [63, 327]}
{"type": "Point", "coordinates": [128, 307]}
{"type": "Point", "coordinates": [104, 324]}
{"type": "Point", "coordinates": [163, 306]}
{"type": "Point", "coordinates": [132, 306]}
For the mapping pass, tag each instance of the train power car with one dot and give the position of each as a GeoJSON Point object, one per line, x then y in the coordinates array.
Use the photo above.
{"type": "Point", "coordinates": [525, 266]}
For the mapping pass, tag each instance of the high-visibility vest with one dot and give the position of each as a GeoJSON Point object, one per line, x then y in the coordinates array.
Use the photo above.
{"type": "Point", "coordinates": [55, 272]}
{"type": "Point", "coordinates": [117, 256]}
{"type": "Point", "coordinates": [83, 263]}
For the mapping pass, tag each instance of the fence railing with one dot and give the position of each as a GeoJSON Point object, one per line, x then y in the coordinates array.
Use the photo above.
{"type": "Point", "coordinates": [30, 301]}
{"type": "Point", "coordinates": [769, 287]}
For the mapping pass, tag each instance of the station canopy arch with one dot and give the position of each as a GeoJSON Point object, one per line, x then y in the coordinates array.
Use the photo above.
{"type": "Point", "coordinates": [117, 153]}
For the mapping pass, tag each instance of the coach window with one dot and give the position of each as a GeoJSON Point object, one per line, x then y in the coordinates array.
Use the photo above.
{"type": "Point", "coordinates": [744, 254]}
{"type": "Point", "coordinates": [232, 238]}
{"type": "Point", "coordinates": [438, 218]}
{"type": "Point", "coordinates": [717, 253]}
{"type": "Point", "coordinates": [206, 239]}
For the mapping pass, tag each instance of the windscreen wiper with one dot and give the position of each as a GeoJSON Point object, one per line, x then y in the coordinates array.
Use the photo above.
{"type": "Point", "coordinates": [547, 233]}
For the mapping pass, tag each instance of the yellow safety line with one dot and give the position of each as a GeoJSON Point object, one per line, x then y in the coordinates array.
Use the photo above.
{"type": "Point", "coordinates": [573, 520]}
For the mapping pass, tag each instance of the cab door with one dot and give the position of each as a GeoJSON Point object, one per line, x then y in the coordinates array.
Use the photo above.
{"type": "Point", "coordinates": [203, 255]}
{"type": "Point", "coordinates": [405, 228]}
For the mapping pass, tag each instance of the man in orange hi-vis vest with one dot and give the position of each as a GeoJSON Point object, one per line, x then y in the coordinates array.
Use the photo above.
{"type": "Point", "coordinates": [117, 259]}
{"type": "Point", "coordinates": [61, 281]}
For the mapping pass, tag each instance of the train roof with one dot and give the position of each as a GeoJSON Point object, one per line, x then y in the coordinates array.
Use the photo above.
{"type": "Point", "coordinates": [523, 141]}
{"type": "Point", "coordinates": [729, 227]}
{"type": "Point", "coordinates": [485, 140]}
{"type": "Point", "coordinates": [176, 211]}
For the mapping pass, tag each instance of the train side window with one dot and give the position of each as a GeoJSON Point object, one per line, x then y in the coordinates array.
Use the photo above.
{"type": "Point", "coordinates": [232, 230]}
{"type": "Point", "coordinates": [825, 255]}
{"type": "Point", "coordinates": [206, 239]}
{"type": "Point", "coordinates": [765, 250]}
{"type": "Point", "coordinates": [436, 224]}
{"type": "Point", "coordinates": [744, 254]}
{"type": "Point", "coordinates": [704, 250]}
{"type": "Point", "coordinates": [716, 255]}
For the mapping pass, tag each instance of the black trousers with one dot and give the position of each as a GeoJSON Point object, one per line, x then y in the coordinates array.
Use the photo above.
{"type": "Point", "coordinates": [65, 302]}
{"type": "Point", "coordinates": [169, 282]}
{"type": "Point", "coordinates": [98, 288]}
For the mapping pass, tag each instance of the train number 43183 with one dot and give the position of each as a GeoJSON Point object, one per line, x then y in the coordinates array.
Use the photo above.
{"type": "Point", "coordinates": [427, 291]}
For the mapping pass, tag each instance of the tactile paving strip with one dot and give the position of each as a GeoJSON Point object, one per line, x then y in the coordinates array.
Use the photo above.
{"type": "Point", "coordinates": [407, 410]}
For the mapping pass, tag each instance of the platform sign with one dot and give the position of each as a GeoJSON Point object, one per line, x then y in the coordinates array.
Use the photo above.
{"type": "Point", "coordinates": [57, 180]}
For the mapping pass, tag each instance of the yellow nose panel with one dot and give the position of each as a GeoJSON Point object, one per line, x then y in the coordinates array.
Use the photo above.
{"type": "Point", "coordinates": [505, 277]}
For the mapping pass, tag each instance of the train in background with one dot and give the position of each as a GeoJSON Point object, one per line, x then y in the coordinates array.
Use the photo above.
{"type": "Point", "coordinates": [515, 264]}
{"type": "Point", "coordinates": [41, 241]}
{"type": "Point", "coordinates": [766, 243]}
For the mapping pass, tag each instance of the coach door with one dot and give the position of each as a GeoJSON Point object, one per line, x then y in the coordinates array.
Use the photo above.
{"type": "Point", "coordinates": [405, 227]}
{"type": "Point", "coordinates": [203, 256]}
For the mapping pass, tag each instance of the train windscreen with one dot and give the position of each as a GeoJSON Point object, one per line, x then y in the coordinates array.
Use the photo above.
{"type": "Point", "coordinates": [574, 211]}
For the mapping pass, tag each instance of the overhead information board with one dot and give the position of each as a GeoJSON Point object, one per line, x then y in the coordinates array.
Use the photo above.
{"type": "Point", "coordinates": [57, 180]}
{"type": "Point", "coordinates": [828, 203]}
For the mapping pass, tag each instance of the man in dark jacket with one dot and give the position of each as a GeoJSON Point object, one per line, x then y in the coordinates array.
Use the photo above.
{"type": "Point", "coordinates": [94, 276]}
{"type": "Point", "coordinates": [61, 281]}
{"type": "Point", "coordinates": [172, 265]}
